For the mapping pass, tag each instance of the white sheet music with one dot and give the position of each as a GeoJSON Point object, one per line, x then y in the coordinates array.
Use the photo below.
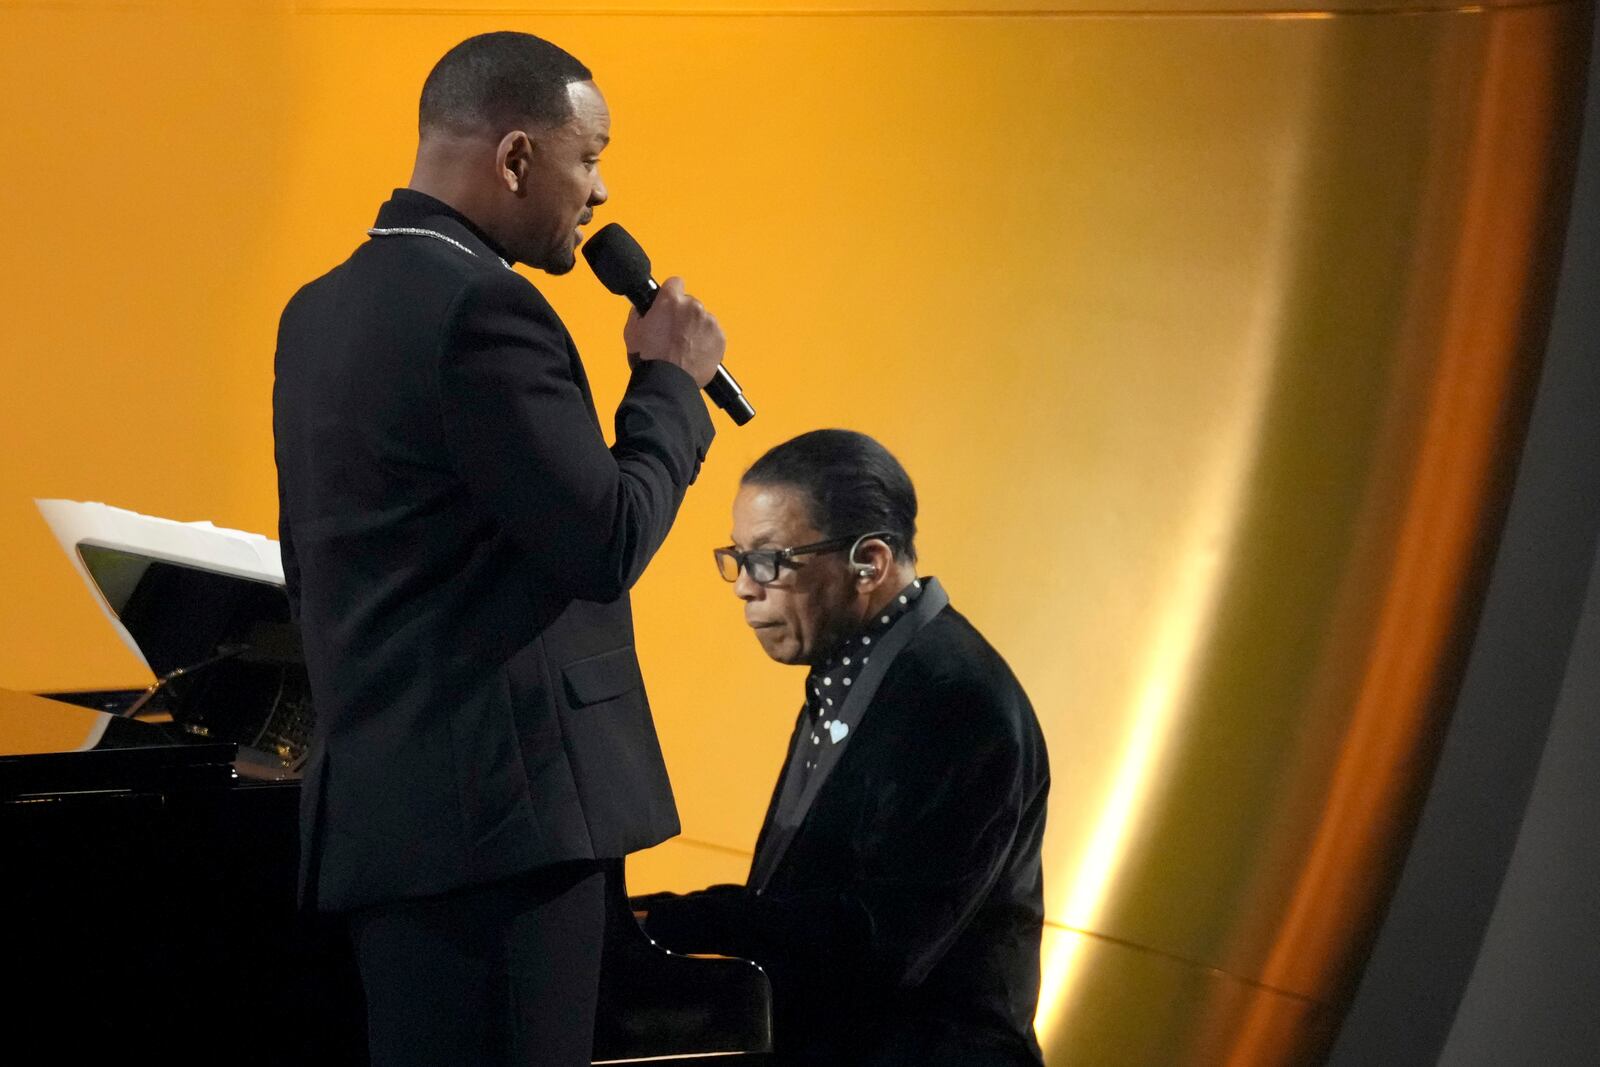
{"type": "Point", "coordinates": [197, 544]}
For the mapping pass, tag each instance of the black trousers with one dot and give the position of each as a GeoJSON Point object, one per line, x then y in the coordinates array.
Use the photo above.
{"type": "Point", "coordinates": [501, 974]}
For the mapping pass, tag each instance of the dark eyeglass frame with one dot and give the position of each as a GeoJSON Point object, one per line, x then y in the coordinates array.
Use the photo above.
{"type": "Point", "coordinates": [780, 557]}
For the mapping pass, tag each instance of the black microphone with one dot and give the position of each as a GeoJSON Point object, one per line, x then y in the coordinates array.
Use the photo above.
{"type": "Point", "coordinates": [622, 266]}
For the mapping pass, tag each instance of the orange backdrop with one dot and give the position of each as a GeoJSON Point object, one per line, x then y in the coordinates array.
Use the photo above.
{"type": "Point", "coordinates": [889, 227]}
{"type": "Point", "coordinates": [1174, 317]}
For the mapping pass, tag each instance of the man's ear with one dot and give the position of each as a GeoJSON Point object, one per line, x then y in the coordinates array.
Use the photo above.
{"type": "Point", "coordinates": [871, 564]}
{"type": "Point", "coordinates": [513, 159]}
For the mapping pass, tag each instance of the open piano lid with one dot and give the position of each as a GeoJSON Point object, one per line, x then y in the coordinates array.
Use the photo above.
{"type": "Point", "coordinates": [205, 609]}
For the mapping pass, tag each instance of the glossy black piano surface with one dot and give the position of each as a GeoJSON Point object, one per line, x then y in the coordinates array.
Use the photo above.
{"type": "Point", "coordinates": [148, 888]}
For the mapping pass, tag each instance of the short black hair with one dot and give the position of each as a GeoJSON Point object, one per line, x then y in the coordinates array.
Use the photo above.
{"type": "Point", "coordinates": [499, 80]}
{"type": "Point", "coordinates": [852, 485]}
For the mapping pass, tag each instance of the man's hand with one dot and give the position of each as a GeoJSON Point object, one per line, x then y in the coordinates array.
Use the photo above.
{"type": "Point", "coordinates": [679, 330]}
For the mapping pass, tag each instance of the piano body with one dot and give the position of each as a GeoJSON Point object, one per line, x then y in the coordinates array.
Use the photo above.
{"type": "Point", "coordinates": [150, 853]}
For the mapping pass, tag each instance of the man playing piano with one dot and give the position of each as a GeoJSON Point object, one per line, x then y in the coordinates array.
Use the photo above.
{"type": "Point", "coordinates": [459, 543]}
{"type": "Point", "coordinates": [895, 892]}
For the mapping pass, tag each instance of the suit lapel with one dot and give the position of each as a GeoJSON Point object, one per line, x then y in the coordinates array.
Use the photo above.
{"type": "Point", "coordinates": [794, 801]}
{"type": "Point", "coordinates": [785, 796]}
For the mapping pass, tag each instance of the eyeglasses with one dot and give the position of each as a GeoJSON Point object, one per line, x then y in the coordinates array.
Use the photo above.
{"type": "Point", "coordinates": [762, 564]}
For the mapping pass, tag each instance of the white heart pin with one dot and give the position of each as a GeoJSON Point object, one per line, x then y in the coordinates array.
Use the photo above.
{"type": "Point", "coordinates": [837, 730]}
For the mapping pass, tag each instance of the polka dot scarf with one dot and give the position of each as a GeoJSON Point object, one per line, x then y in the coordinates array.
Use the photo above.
{"type": "Point", "coordinates": [828, 684]}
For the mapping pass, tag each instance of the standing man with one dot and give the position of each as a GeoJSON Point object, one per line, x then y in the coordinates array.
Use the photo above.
{"type": "Point", "coordinates": [459, 544]}
{"type": "Point", "coordinates": [895, 895]}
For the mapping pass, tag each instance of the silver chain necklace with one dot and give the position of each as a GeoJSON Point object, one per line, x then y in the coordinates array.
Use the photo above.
{"type": "Point", "coordinates": [417, 231]}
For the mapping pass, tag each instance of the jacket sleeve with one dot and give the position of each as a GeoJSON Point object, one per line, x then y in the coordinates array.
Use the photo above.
{"type": "Point", "coordinates": [928, 848]}
{"type": "Point", "coordinates": [286, 551]}
{"type": "Point", "coordinates": [291, 562]}
{"type": "Point", "coordinates": [522, 435]}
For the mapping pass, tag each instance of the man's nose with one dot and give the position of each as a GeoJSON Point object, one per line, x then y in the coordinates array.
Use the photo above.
{"type": "Point", "coordinates": [598, 194]}
{"type": "Point", "coordinates": [746, 587]}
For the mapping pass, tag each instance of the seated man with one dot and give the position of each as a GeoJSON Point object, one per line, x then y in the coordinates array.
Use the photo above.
{"type": "Point", "coordinates": [895, 892]}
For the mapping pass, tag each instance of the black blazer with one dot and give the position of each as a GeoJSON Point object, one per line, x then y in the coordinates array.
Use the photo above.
{"type": "Point", "coordinates": [900, 922]}
{"type": "Point", "coordinates": [459, 543]}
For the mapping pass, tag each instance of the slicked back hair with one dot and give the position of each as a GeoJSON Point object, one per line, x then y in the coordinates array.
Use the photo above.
{"type": "Point", "coordinates": [497, 82]}
{"type": "Point", "coordinates": [851, 483]}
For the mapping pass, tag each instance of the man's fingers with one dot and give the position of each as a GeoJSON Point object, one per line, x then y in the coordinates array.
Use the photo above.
{"type": "Point", "coordinates": [679, 330]}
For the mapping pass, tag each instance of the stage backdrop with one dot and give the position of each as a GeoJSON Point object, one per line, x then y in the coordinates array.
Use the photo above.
{"type": "Point", "coordinates": [1205, 334]}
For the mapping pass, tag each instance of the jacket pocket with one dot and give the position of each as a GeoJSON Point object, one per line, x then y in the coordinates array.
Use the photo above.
{"type": "Point", "coordinates": [596, 678]}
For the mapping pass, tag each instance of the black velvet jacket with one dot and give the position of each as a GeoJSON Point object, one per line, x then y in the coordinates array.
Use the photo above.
{"type": "Point", "coordinates": [459, 543]}
{"type": "Point", "coordinates": [900, 919]}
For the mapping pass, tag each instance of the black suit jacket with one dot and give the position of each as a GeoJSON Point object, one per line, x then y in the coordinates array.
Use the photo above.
{"type": "Point", "coordinates": [459, 543]}
{"type": "Point", "coordinates": [900, 920]}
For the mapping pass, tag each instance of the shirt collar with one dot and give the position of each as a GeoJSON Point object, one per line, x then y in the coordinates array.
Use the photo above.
{"type": "Point", "coordinates": [414, 205]}
{"type": "Point", "coordinates": [828, 682]}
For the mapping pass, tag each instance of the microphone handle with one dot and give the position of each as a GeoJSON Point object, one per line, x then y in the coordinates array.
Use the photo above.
{"type": "Point", "coordinates": [723, 390]}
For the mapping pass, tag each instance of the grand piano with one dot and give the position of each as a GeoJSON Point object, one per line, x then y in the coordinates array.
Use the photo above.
{"type": "Point", "coordinates": [150, 855]}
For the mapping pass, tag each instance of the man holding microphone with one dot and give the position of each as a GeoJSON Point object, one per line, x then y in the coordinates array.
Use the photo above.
{"type": "Point", "coordinates": [458, 544]}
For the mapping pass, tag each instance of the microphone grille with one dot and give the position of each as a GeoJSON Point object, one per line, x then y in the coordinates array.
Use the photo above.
{"type": "Point", "coordinates": [617, 259]}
